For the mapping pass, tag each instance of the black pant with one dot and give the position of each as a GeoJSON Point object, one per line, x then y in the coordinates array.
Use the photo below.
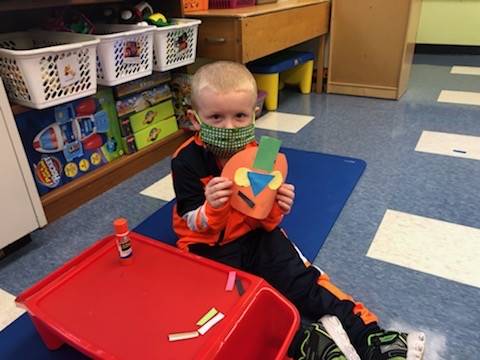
{"type": "Point", "coordinates": [272, 256]}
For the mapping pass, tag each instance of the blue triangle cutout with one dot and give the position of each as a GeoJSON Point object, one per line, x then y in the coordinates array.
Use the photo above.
{"type": "Point", "coordinates": [258, 181]}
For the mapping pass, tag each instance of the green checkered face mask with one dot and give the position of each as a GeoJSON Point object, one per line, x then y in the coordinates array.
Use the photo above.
{"type": "Point", "coordinates": [223, 142]}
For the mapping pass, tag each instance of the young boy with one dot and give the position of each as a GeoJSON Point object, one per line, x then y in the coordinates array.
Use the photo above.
{"type": "Point", "coordinates": [223, 100]}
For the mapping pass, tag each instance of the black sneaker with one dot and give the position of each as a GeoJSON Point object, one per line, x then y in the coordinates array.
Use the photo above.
{"type": "Point", "coordinates": [392, 345]}
{"type": "Point", "coordinates": [314, 343]}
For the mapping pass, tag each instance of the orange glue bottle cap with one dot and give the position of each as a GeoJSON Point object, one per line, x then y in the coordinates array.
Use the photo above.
{"type": "Point", "coordinates": [120, 225]}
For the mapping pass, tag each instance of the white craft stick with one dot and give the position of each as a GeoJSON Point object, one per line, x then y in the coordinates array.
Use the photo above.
{"type": "Point", "coordinates": [183, 336]}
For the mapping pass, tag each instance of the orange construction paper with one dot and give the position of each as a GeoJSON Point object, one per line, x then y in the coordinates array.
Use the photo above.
{"type": "Point", "coordinates": [264, 201]}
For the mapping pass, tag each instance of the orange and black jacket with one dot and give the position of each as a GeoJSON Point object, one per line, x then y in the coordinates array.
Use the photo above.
{"type": "Point", "coordinates": [194, 220]}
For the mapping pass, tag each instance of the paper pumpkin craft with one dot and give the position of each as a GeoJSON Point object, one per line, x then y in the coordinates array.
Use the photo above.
{"type": "Point", "coordinates": [256, 173]}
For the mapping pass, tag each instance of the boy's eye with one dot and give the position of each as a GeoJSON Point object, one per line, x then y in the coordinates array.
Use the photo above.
{"type": "Point", "coordinates": [241, 115]}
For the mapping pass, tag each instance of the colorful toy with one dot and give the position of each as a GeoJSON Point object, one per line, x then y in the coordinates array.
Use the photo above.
{"type": "Point", "coordinates": [71, 133]}
{"type": "Point", "coordinates": [136, 14]}
{"type": "Point", "coordinates": [67, 141]}
{"type": "Point", "coordinates": [181, 86]}
{"type": "Point", "coordinates": [70, 21]}
{"type": "Point", "coordinates": [142, 119]}
{"type": "Point", "coordinates": [157, 19]}
{"type": "Point", "coordinates": [287, 67]}
{"type": "Point", "coordinates": [257, 173]}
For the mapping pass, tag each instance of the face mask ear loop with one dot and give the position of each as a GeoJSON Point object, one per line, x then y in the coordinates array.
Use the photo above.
{"type": "Point", "coordinates": [197, 117]}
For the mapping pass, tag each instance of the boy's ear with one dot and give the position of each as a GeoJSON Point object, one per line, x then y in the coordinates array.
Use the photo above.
{"type": "Point", "coordinates": [191, 116]}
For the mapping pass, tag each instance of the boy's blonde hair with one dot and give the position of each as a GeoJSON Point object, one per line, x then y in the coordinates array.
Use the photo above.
{"type": "Point", "coordinates": [223, 76]}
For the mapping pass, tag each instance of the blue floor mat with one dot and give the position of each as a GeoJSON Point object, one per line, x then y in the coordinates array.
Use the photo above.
{"type": "Point", "coordinates": [323, 184]}
{"type": "Point", "coordinates": [20, 340]}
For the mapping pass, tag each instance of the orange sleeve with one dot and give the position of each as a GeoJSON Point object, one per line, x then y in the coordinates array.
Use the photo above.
{"type": "Point", "coordinates": [274, 218]}
{"type": "Point", "coordinates": [217, 218]}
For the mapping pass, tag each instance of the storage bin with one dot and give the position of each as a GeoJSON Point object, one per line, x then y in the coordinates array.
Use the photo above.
{"type": "Point", "coordinates": [125, 53]}
{"type": "Point", "coordinates": [175, 45]}
{"type": "Point", "coordinates": [225, 4]}
{"type": "Point", "coordinates": [195, 5]}
{"type": "Point", "coordinates": [264, 331]}
{"type": "Point", "coordinates": [42, 68]}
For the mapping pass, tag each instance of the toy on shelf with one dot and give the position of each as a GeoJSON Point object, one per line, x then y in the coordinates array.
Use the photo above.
{"type": "Point", "coordinates": [70, 21]}
{"type": "Point", "coordinates": [64, 142]}
{"type": "Point", "coordinates": [148, 126]}
{"type": "Point", "coordinates": [181, 86]}
{"type": "Point", "coordinates": [74, 130]}
{"type": "Point", "coordinates": [141, 84]}
{"type": "Point", "coordinates": [135, 14]}
{"type": "Point", "coordinates": [157, 19]}
{"type": "Point", "coordinates": [141, 101]}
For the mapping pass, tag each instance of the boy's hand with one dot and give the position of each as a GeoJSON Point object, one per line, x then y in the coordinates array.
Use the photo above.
{"type": "Point", "coordinates": [218, 191]}
{"type": "Point", "coordinates": [285, 196]}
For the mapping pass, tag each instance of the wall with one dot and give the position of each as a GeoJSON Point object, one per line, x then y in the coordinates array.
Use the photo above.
{"type": "Point", "coordinates": [450, 22]}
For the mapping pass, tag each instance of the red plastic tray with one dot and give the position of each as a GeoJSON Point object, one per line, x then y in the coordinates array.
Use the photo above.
{"type": "Point", "coordinates": [109, 310]}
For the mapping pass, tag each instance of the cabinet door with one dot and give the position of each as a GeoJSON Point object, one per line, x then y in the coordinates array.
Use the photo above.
{"type": "Point", "coordinates": [19, 210]}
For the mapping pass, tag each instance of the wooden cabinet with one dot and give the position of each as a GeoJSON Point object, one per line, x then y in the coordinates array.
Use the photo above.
{"type": "Point", "coordinates": [249, 33]}
{"type": "Point", "coordinates": [371, 46]}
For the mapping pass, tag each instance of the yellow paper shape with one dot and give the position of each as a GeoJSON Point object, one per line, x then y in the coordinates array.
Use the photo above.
{"type": "Point", "coordinates": [276, 181]}
{"type": "Point", "coordinates": [211, 313]}
{"type": "Point", "coordinates": [241, 178]}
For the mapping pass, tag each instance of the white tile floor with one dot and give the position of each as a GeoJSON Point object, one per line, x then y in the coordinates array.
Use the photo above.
{"type": "Point", "coordinates": [465, 70]}
{"type": "Point", "coordinates": [436, 247]}
{"type": "Point", "coordinates": [9, 312]}
{"type": "Point", "coordinates": [162, 189]}
{"type": "Point", "coordinates": [278, 121]}
{"type": "Point", "coordinates": [457, 145]}
{"type": "Point", "coordinates": [459, 97]}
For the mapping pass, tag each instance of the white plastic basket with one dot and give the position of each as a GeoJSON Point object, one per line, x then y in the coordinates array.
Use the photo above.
{"type": "Point", "coordinates": [114, 66]}
{"type": "Point", "coordinates": [42, 68]}
{"type": "Point", "coordinates": [175, 45]}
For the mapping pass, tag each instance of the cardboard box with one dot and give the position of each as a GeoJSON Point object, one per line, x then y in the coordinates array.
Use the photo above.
{"type": "Point", "coordinates": [141, 101]}
{"type": "Point", "coordinates": [141, 84]}
{"type": "Point", "coordinates": [67, 141]}
{"type": "Point", "coordinates": [145, 118]}
{"type": "Point", "coordinates": [155, 132]}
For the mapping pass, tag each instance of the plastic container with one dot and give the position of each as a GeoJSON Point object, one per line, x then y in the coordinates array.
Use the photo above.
{"type": "Point", "coordinates": [124, 244]}
{"type": "Point", "coordinates": [195, 5]}
{"type": "Point", "coordinates": [175, 45]}
{"type": "Point", "coordinates": [226, 4]}
{"type": "Point", "coordinates": [42, 69]}
{"type": "Point", "coordinates": [83, 304]}
{"type": "Point", "coordinates": [265, 331]}
{"type": "Point", "coordinates": [125, 53]}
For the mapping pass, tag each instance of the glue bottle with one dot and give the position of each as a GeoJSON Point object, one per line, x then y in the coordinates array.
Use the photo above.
{"type": "Point", "coordinates": [124, 244]}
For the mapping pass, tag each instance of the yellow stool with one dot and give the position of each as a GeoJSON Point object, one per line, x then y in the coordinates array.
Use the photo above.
{"type": "Point", "coordinates": [289, 67]}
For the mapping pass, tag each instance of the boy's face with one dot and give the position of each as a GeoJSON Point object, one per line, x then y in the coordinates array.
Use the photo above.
{"type": "Point", "coordinates": [233, 109]}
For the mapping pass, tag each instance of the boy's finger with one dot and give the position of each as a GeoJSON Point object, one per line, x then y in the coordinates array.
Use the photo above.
{"type": "Point", "coordinates": [217, 179]}
{"type": "Point", "coordinates": [221, 194]}
{"type": "Point", "coordinates": [222, 186]}
{"type": "Point", "coordinates": [285, 200]}
{"type": "Point", "coordinates": [284, 207]}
